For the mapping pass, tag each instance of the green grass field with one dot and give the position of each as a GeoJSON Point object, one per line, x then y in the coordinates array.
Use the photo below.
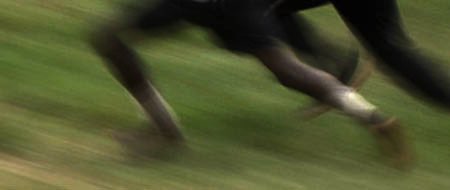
{"type": "Point", "coordinates": [58, 102]}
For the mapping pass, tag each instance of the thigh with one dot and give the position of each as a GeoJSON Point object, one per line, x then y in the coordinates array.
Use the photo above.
{"type": "Point", "coordinates": [245, 26]}
{"type": "Point", "coordinates": [379, 27]}
{"type": "Point", "coordinates": [376, 22]}
{"type": "Point", "coordinates": [290, 6]}
{"type": "Point", "coordinates": [299, 33]}
{"type": "Point", "coordinates": [156, 16]}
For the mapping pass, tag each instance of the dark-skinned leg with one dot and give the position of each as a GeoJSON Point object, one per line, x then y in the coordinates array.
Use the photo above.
{"type": "Point", "coordinates": [126, 65]}
{"type": "Point", "coordinates": [324, 87]}
{"type": "Point", "coordinates": [301, 35]}
{"type": "Point", "coordinates": [318, 84]}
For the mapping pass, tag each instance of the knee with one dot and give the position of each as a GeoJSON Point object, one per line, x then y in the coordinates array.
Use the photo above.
{"type": "Point", "coordinates": [99, 39]}
{"type": "Point", "coordinates": [104, 38]}
{"type": "Point", "coordinates": [288, 80]}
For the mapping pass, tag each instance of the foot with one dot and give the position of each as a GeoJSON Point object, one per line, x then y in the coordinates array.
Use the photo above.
{"type": "Point", "coordinates": [393, 143]}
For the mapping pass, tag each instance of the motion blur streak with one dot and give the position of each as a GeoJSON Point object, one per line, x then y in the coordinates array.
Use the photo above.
{"type": "Point", "coordinates": [61, 111]}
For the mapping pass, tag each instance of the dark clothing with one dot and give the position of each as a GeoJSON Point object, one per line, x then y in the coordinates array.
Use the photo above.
{"type": "Point", "coordinates": [297, 5]}
{"type": "Point", "coordinates": [240, 24]}
{"type": "Point", "coordinates": [378, 25]}
{"type": "Point", "coordinates": [245, 25]}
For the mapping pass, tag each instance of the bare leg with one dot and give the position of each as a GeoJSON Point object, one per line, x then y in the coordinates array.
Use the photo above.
{"type": "Point", "coordinates": [324, 87]}
{"type": "Point", "coordinates": [337, 60]}
{"type": "Point", "coordinates": [313, 82]}
{"type": "Point", "coordinates": [126, 67]}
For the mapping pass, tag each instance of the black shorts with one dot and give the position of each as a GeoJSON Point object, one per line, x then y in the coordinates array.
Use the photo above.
{"type": "Point", "coordinates": [292, 6]}
{"type": "Point", "coordinates": [241, 25]}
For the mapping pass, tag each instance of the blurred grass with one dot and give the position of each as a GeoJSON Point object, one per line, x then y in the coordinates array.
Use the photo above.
{"type": "Point", "coordinates": [57, 101]}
